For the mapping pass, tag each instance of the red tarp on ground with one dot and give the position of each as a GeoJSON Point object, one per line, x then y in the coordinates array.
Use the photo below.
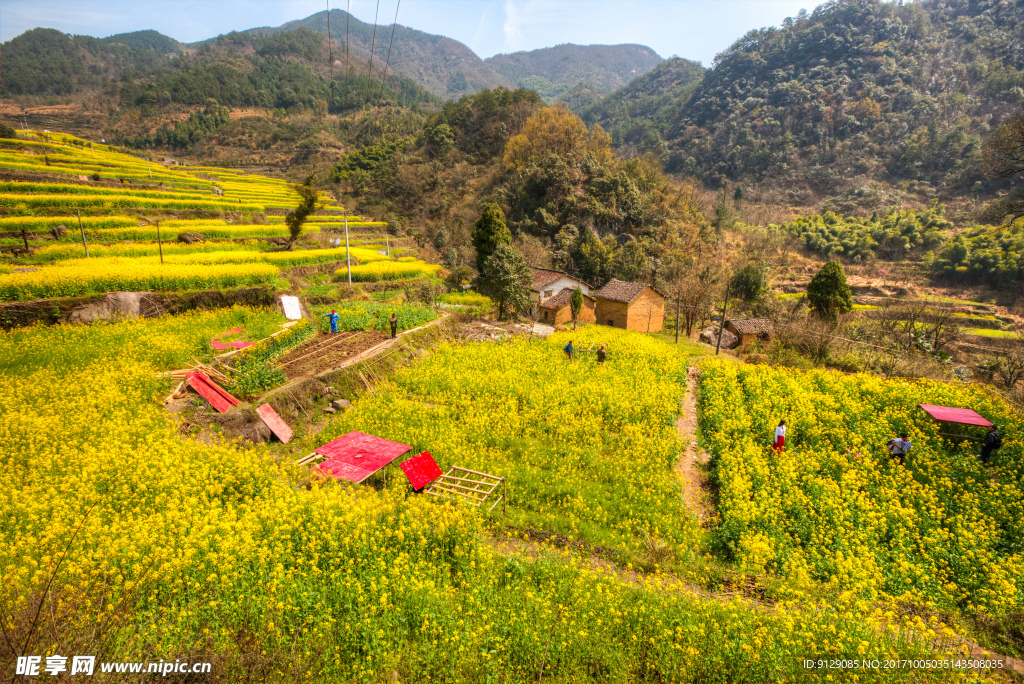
{"type": "Point", "coordinates": [209, 390]}
{"type": "Point", "coordinates": [948, 414]}
{"type": "Point", "coordinates": [221, 346]}
{"type": "Point", "coordinates": [274, 422]}
{"type": "Point", "coordinates": [357, 455]}
{"type": "Point", "coordinates": [421, 470]}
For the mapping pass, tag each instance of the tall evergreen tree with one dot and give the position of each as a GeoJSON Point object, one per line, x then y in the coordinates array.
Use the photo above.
{"type": "Point", "coordinates": [309, 202]}
{"type": "Point", "coordinates": [828, 293]}
{"type": "Point", "coordinates": [506, 279]}
{"type": "Point", "coordinates": [489, 232]}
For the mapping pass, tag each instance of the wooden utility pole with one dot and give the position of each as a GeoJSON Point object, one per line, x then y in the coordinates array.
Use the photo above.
{"type": "Point", "coordinates": [82, 231]}
{"type": "Point", "coordinates": [348, 252]}
{"type": "Point", "coordinates": [24, 237]}
{"type": "Point", "coordinates": [721, 324]}
{"type": "Point", "coordinates": [159, 243]}
{"type": "Point", "coordinates": [678, 297]}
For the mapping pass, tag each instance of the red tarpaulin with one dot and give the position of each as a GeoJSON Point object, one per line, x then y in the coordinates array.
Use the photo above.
{"type": "Point", "coordinates": [357, 455]}
{"type": "Point", "coordinates": [209, 390]}
{"type": "Point", "coordinates": [274, 422]}
{"type": "Point", "coordinates": [948, 414]}
{"type": "Point", "coordinates": [421, 470]}
{"type": "Point", "coordinates": [221, 346]}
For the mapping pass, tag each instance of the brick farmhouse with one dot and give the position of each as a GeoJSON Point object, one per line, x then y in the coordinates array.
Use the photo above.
{"type": "Point", "coordinates": [557, 310]}
{"type": "Point", "coordinates": [747, 330]}
{"type": "Point", "coordinates": [633, 306]}
{"type": "Point", "coordinates": [547, 284]}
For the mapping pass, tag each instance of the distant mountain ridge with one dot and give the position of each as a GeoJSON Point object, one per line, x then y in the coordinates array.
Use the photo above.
{"type": "Point", "coordinates": [147, 40]}
{"type": "Point", "coordinates": [553, 71]}
{"type": "Point", "coordinates": [442, 66]}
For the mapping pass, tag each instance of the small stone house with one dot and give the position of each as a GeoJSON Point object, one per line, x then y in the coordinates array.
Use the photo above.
{"type": "Point", "coordinates": [749, 329]}
{"type": "Point", "coordinates": [556, 310]}
{"type": "Point", "coordinates": [546, 284]}
{"type": "Point", "coordinates": [633, 306]}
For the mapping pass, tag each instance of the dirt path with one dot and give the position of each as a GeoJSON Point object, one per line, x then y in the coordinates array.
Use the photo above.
{"type": "Point", "coordinates": [692, 466]}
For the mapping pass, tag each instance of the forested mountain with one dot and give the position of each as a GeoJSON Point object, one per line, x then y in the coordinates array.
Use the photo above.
{"type": "Point", "coordinates": [639, 114]}
{"type": "Point", "coordinates": [147, 40]}
{"type": "Point", "coordinates": [282, 70]}
{"type": "Point", "coordinates": [441, 65]}
{"type": "Point", "coordinates": [885, 91]}
{"type": "Point", "coordinates": [553, 71]}
{"type": "Point", "coordinates": [47, 62]}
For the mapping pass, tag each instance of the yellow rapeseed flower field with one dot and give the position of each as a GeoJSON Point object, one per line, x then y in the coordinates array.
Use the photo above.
{"type": "Point", "coordinates": [146, 543]}
{"type": "Point", "coordinates": [835, 509]}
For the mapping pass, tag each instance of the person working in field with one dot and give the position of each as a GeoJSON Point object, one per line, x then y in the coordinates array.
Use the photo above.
{"type": "Point", "coordinates": [601, 354]}
{"type": "Point", "coordinates": [394, 325]}
{"type": "Point", "coordinates": [993, 440]}
{"type": "Point", "coordinates": [899, 447]}
{"type": "Point", "coordinates": [568, 349]}
{"type": "Point", "coordinates": [333, 317]}
{"type": "Point", "coordinates": [780, 437]}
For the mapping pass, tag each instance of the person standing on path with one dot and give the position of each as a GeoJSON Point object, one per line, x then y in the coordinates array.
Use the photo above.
{"type": "Point", "coordinates": [993, 440]}
{"type": "Point", "coordinates": [780, 437]}
{"type": "Point", "coordinates": [601, 354]}
{"type": "Point", "coordinates": [394, 324]}
{"type": "Point", "coordinates": [333, 317]}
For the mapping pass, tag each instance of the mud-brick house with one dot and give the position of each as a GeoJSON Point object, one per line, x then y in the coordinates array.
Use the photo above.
{"type": "Point", "coordinates": [547, 284]}
{"type": "Point", "coordinates": [633, 306]}
{"type": "Point", "coordinates": [747, 330]}
{"type": "Point", "coordinates": [556, 309]}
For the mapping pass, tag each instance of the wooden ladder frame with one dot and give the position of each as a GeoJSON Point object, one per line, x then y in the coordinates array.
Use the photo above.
{"type": "Point", "coordinates": [474, 487]}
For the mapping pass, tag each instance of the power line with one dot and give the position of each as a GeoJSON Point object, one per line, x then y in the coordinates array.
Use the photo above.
{"type": "Point", "coordinates": [330, 50]}
{"type": "Point", "coordinates": [348, 16]}
{"type": "Point", "coordinates": [393, 25]}
{"type": "Point", "coordinates": [369, 74]}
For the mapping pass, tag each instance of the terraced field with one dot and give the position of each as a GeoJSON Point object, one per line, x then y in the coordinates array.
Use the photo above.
{"type": "Point", "coordinates": [80, 218]}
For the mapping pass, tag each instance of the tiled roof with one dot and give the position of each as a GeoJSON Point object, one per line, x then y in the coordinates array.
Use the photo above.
{"type": "Point", "coordinates": [561, 299]}
{"type": "Point", "coordinates": [543, 277]}
{"type": "Point", "coordinates": [751, 326]}
{"type": "Point", "coordinates": [622, 291]}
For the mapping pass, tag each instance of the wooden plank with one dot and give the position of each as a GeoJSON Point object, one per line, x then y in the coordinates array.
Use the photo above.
{"type": "Point", "coordinates": [442, 483]}
{"type": "Point", "coordinates": [200, 384]}
{"type": "Point", "coordinates": [477, 472]}
{"type": "Point", "coordinates": [492, 485]}
{"type": "Point", "coordinates": [175, 392]}
{"type": "Point", "coordinates": [274, 422]}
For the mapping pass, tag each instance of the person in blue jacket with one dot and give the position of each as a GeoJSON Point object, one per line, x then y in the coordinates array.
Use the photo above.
{"type": "Point", "coordinates": [334, 320]}
{"type": "Point", "coordinates": [568, 349]}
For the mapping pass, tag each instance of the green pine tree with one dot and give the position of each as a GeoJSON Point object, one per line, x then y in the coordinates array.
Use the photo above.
{"type": "Point", "coordinates": [489, 232]}
{"type": "Point", "coordinates": [828, 293]}
{"type": "Point", "coordinates": [309, 202]}
{"type": "Point", "coordinates": [506, 279]}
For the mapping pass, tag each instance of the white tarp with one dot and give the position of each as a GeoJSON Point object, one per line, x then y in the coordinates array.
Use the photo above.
{"type": "Point", "coordinates": [292, 311]}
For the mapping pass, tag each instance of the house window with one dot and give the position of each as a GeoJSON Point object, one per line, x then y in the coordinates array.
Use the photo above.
{"type": "Point", "coordinates": [545, 315]}
{"type": "Point", "coordinates": [547, 293]}
{"type": "Point", "coordinates": [611, 322]}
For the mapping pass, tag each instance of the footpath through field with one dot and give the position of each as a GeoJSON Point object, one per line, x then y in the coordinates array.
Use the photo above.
{"type": "Point", "coordinates": [691, 468]}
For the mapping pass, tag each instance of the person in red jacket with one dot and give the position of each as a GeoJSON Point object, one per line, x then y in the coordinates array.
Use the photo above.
{"type": "Point", "coordinates": [780, 437]}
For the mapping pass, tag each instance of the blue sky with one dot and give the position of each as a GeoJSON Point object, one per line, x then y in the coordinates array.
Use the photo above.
{"type": "Point", "coordinates": [695, 29]}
